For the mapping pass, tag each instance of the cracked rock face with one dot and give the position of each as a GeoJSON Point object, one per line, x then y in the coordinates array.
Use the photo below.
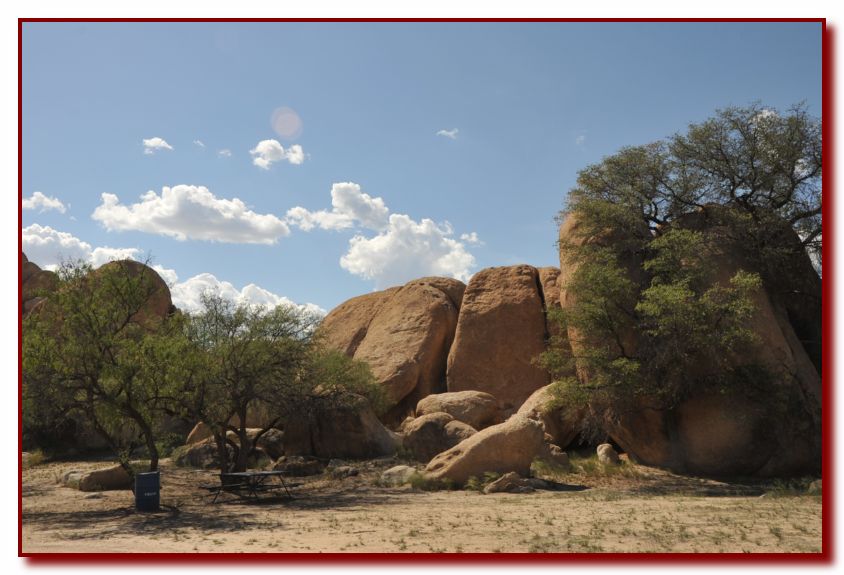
{"type": "Point", "coordinates": [500, 331]}
{"type": "Point", "coordinates": [403, 333]}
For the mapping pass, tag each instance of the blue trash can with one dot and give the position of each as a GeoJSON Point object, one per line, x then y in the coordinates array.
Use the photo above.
{"type": "Point", "coordinates": [147, 491]}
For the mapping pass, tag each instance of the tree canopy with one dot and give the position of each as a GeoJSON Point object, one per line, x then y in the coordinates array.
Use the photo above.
{"type": "Point", "coordinates": [652, 319]}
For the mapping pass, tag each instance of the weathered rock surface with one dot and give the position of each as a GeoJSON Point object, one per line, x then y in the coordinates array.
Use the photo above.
{"type": "Point", "coordinates": [346, 325]}
{"type": "Point", "coordinates": [109, 479]}
{"type": "Point", "coordinates": [607, 455]}
{"type": "Point", "coordinates": [508, 446]}
{"type": "Point", "coordinates": [510, 483]}
{"type": "Point", "coordinates": [352, 432]}
{"type": "Point", "coordinates": [474, 408]}
{"type": "Point", "coordinates": [403, 333]}
{"type": "Point", "coordinates": [398, 475]}
{"type": "Point", "coordinates": [272, 442]}
{"type": "Point", "coordinates": [158, 304]}
{"type": "Point", "coordinates": [408, 339]}
{"type": "Point", "coordinates": [729, 434]}
{"type": "Point", "coordinates": [200, 432]}
{"type": "Point", "coordinates": [556, 456]}
{"type": "Point", "coordinates": [202, 454]}
{"type": "Point", "coordinates": [563, 425]}
{"type": "Point", "coordinates": [430, 434]}
{"type": "Point", "coordinates": [500, 331]}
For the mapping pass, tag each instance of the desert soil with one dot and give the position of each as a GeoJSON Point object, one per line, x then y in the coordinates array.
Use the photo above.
{"type": "Point", "coordinates": [640, 510]}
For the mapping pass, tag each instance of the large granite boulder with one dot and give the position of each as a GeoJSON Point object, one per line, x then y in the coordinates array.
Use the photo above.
{"type": "Point", "coordinates": [158, 304]}
{"type": "Point", "coordinates": [474, 408]}
{"type": "Point", "coordinates": [112, 478]}
{"type": "Point", "coordinates": [35, 284]}
{"type": "Point", "coordinates": [562, 424]}
{"type": "Point", "coordinates": [738, 431]}
{"type": "Point", "coordinates": [345, 326]}
{"type": "Point", "coordinates": [403, 334]}
{"type": "Point", "coordinates": [500, 331]}
{"type": "Point", "coordinates": [508, 446]}
{"type": "Point", "coordinates": [428, 435]}
{"type": "Point", "coordinates": [408, 339]}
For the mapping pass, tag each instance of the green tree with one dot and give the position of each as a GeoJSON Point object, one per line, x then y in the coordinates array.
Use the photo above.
{"type": "Point", "coordinates": [83, 356]}
{"type": "Point", "coordinates": [650, 318]}
{"type": "Point", "coordinates": [235, 361]}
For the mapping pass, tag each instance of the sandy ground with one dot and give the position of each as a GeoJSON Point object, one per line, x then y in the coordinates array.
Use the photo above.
{"type": "Point", "coordinates": [641, 511]}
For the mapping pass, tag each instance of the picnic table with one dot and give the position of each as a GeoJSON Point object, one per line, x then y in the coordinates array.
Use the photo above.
{"type": "Point", "coordinates": [248, 484]}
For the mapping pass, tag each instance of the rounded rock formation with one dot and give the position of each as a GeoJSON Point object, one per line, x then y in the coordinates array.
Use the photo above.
{"type": "Point", "coordinates": [430, 434]}
{"type": "Point", "coordinates": [474, 408]}
{"type": "Point", "coordinates": [508, 446]}
{"type": "Point", "coordinates": [501, 330]}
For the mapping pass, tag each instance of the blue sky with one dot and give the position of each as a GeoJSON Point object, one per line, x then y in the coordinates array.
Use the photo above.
{"type": "Point", "coordinates": [402, 150]}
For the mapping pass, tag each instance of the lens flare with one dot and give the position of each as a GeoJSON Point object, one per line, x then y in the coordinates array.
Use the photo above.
{"type": "Point", "coordinates": [286, 123]}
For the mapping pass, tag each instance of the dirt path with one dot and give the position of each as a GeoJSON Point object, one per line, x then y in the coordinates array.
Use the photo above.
{"type": "Point", "coordinates": [355, 515]}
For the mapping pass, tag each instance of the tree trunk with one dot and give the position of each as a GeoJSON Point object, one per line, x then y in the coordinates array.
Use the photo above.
{"type": "Point", "coordinates": [245, 447]}
{"type": "Point", "coordinates": [222, 450]}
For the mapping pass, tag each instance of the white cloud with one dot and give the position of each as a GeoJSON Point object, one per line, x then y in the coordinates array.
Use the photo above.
{"type": "Point", "coordinates": [267, 152]}
{"type": "Point", "coordinates": [580, 140]}
{"type": "Point", "coordinates": [225, 153]}
{"type": "Point", "coordinates": [349, 207]}
{"type": "Point", "coordinates": [402, 249]}
{"type": "Point", "coordinates": [191, 212]}
{"type": "Point", "coordinates": [169, 276]}
{"type": "Point", "coordinates": [48, 247]}
{"type": "Point", "coordinates": [199, 143]}
{"type": "Point", "coordinates": [103, 255]}
{"type": "Point", "coordinates": [407, 250]}
{"type": "Point", "coordinates": [187, 295]}
{"type": "Point", "coordinates": [451, 134]}
{"type": "Point", "coordinates": [471, 239]}
{"type": "Point", "coordinates": [152, 145]}
{"type": "Point", "coordinates": [40, 202]}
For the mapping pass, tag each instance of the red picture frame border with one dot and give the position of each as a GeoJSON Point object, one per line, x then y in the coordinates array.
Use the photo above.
{"type": "Point", "coordinates": [826, 556]}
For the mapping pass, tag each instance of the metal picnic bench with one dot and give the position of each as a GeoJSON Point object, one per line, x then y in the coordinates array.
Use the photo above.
{"type": "Point", "coordinates": [248, 484]}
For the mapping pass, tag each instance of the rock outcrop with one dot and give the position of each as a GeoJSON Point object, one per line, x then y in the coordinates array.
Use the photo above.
{"type": "Point", "coordinates": [113, 478]}
{"type": "Point", "coordinates": [728, 433]}
{"type": "Point", "coordinates": [500, 331]}
{"type": "Point", "coordinates": [561, 424]}
{"type": "Point", "coordinates": [474, 408]}
{"type": "Point", "coordinates": [508, 446]}
{"type": "Point", "coordinates": [404, 334]}
{"type": "Point", "coordinates": [35, 284]}
{"type": "Point", "coordinates": [428, 435]}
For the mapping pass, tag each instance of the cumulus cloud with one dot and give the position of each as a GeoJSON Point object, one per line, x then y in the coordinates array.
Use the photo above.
{"type": "Point", "coordinates": [451, 134]}
{"type": "Point", "coordinates": [187, 295]}
{"type": "Point", "coordinates": [349, 207]}
{"type": "Point", "coordinates": [401, 248]}
{"type": "Point", "coordinates": [199, 143]}
{"type": "Point", "coordinates": [152, 145]}
{"type": "Point", "coordinates": [407, 249]}
{"type": "Point", "coordinates": [225, 153]}
{"type": "Point", "coordinates": [48, 248]}
{"type": "Point", "coordinates": [40, 202]}
{"type": "Point", "coordinates": [267, 152]}
{"type": "Point", "coordinates": [191, 212]}
{"type": "Point", "coordinates": [103, 255]}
